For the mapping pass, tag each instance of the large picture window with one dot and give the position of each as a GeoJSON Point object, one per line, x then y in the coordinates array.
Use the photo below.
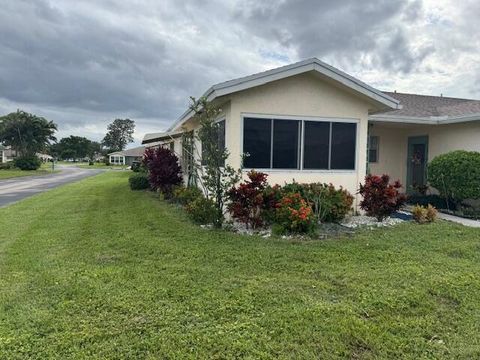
{"type": "Point", "coordinates": [281, 144]}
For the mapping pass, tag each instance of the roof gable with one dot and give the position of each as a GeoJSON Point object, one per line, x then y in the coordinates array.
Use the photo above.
{"type": "Point", "coordinates": [313, 64]}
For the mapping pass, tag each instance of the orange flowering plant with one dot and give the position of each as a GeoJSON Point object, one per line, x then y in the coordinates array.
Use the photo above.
{"type": "Point", "coordinates": [294, 214]}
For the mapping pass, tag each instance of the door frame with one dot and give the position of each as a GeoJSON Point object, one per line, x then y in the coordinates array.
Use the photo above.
{"type": "Point", "coordinates": [414, 140]}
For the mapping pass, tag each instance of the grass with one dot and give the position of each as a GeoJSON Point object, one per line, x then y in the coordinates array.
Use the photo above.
{"type": "Point", "coordinates": [45, 169]}
{"type": "Point", "coordinates": [93, 270]}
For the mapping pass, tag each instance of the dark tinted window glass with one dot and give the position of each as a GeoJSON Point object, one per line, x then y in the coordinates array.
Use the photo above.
{"type": "Point", "coordinates": [256, 142]}
{"type": "Point", "coordinates": [373, 149]}
{"type": "Point", "coordinates": [285, 144]}
{"type": "Point", "coordinates": [315, 151]}
{"type": "Point", "coordinates": [343, 146]}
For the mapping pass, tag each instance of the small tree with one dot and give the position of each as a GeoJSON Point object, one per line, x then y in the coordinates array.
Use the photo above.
{"type": "Point", "coordinates": [380, 198]}
{"type": "Point", "coordinates": [217, 177]}
{"type": "Point", "coordinates": [26, 133]}
{"type": "Point", "coordinates": [164, 171]}
{"type": "Point", "coordinates": [119, 134]}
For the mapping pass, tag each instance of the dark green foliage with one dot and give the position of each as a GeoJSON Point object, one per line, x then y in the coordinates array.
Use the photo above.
{"type": "Point", "coordinates": [329, 204]}
{"type": "Point", "coordinates": [456, 175]}
{"type": "Point", "coordinates": [7, 165]}
{"type": "Point", "coordinates": [27, 163]}
{"type": "Point", "coordinates": [202, 211]}
{"type": "Point", "coordinates": [216, 175]}
{"type": "Point", "coordinates": [26, 133]}
{"type": "Point", "coordinates": [137, 166]}
{"type": "Point", "coordinates": [119, 134]}
{"type": "Point", "coordinates": [75, 147]}
{"type": "Point", "coordinates": [185, 195]}
{"type": "Point", "coordinates": [436, 201]}
{"type": "Point", "coordinates": [139, 181]}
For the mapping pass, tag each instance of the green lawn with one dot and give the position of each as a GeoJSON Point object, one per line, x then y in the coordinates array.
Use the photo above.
{"type": "Point", "coordinates": [93, 270]}
{"type": "Point", "coordinates": [45, 169]}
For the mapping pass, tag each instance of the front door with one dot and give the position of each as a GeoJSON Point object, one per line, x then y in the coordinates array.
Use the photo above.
{"type": "Point", "coordinates": [417, 163]}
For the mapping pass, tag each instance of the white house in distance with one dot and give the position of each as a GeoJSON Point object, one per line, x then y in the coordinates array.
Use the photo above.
{"type": "Point", "coordinates": [311, 122]}
{"type": "Point", "coordinates": [126, 157]}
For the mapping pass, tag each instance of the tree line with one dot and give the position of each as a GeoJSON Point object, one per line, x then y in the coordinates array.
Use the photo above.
{"type": "Point", "coordinates": [29, 135]}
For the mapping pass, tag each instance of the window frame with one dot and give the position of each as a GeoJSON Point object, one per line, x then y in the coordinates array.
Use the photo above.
{"type": "Point", "coordinates": [301, 141]}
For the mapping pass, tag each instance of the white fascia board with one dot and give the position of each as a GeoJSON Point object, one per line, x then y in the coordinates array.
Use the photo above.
{"type": "Point", "coordinates": [402, 119]}
{"type": "Point", "coordinates": [461, 119]}
{"type": "Point", "coordinates": [433, 120]}
{"type": "Point", "coordinates": [313, 64]}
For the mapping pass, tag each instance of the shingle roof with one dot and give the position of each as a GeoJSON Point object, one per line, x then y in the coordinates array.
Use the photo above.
{"type": "Point", "coordinates": [137, 151]}
{"type": "Point", "coordinates": [427, 106]}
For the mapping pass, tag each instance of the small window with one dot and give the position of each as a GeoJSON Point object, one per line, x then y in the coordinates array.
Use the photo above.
{"type": "Point", "coordinates": [373, 149]}
{"type": "Point", "coordinates": [172, 146]}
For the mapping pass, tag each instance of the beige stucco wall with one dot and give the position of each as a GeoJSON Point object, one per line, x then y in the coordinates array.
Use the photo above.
{"type": "Point", "coordinates": [302, 95]}
{"type": "Point", "coordinates": [393, 145]}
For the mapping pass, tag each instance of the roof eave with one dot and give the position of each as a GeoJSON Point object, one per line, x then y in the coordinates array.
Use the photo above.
{"type": "Point", "coordinates": [313, 64]}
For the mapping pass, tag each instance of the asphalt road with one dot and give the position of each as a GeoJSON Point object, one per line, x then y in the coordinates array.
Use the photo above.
{"type": "Point", "coordinates": [16, 189]}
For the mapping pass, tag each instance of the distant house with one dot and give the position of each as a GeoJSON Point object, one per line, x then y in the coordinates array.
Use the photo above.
{"type": "Point", "coordinates": [126, 157]}
{"type": "Point", "coordinates": [7, 154]}
{"type": "Point", "coordinates": [311, 122]}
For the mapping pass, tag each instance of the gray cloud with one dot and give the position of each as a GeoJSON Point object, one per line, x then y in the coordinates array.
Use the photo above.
{"type": "Point", "coordinates": [85, 62]}
{"type": "Point", "coordinates": [344, 29]}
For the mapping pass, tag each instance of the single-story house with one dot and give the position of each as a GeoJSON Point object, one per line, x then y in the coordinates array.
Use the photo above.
{"type": "Point", "coordinates": [7, 154]}
{"type": "Point", "coordinates": [311, 122]}
{"type": "Point", "coordinates": [126, 157]}
{"type": "Point", "coordinates": [3, 157]}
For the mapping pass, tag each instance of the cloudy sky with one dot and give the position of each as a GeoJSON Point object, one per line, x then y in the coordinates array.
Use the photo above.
{"type": "Point", "coordinates": [83, 63]}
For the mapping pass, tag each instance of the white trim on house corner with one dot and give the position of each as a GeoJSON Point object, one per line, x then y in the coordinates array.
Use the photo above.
{"type": "Point", "coordinates": [312, 64]}
{"type": "Point", "coordinates": [302, 120]}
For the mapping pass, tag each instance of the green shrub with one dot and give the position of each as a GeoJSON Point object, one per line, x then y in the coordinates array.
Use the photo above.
{"type": "Point", "coordinates": [27, 163]}
{"type": "Point", "coordinates": [436, 201]}
{"type": "Point", "coordinates": [329, 204]}
{"type": "Point", "coordinates": [294, 215]}
{"type": "Point", "coordinates": [456, 175]}
{"type": "Point", "coordinates": [139, 181]}
{"type": "Point", "coordinates": [186, 195]}
{"type": "Point", "coordinates": [202, 210]}
{"type": "Point", "coordinates": [6, 165]}
{"type": "Point", "coordinates": [137, 166]}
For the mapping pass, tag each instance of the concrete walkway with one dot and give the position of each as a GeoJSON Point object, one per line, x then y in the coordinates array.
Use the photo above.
{"type": "Point", "coordinates": [459, 220]}
{"type": "Point", "coordinates": [16, 189]}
